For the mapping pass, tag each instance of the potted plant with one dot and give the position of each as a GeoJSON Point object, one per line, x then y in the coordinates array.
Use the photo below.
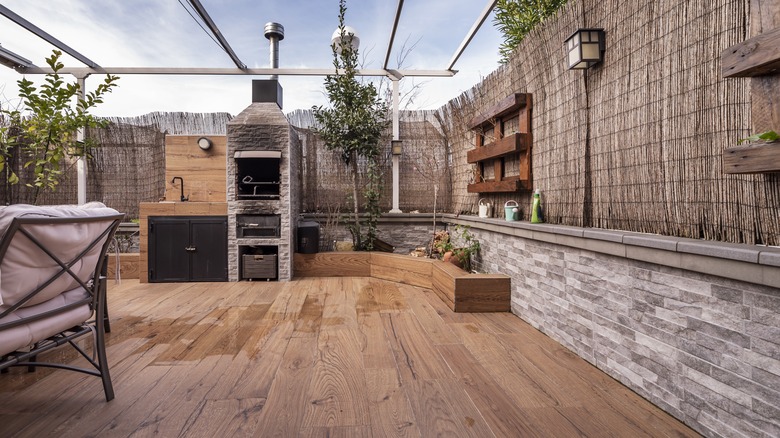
{"type": "Point", "coordinates": [459, 252]}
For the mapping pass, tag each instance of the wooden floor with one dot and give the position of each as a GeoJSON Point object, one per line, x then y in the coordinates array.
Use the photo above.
{"type": "Point", "coordinates": [352, 357]}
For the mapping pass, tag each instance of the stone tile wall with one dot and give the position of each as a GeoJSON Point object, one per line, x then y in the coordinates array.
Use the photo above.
{"type": "Point", "coordinates": [704, 348]}
{"type": "Point", "coordinates": [263, 126]}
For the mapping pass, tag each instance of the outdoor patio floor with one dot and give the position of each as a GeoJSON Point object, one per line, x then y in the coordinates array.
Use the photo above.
{"type": "Point", "coordinates": [322, 357]}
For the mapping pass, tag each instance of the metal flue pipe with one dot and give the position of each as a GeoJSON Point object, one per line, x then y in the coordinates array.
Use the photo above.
{"type": "Point", "coordinates": [274, 32]}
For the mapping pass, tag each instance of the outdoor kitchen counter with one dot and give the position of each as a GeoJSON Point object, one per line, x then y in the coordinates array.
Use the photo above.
{"type": "Point", "coordinates": [168, 208]}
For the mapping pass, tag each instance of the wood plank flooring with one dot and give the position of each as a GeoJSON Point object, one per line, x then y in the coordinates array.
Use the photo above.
{"type": "Point", "coordinates": [317, 357]}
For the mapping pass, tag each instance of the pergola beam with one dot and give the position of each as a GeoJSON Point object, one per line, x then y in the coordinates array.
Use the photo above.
{"type": "Point", "coordinates": [11, 15]}
{"type": "Point", "coordinates": [14, 61]}
{"type": "Point", "coordinates": [392, 33]}
{"type": "Point", "coordinates": [474, 28]}
{"type": "Point", "coordinates": [215, 30]}
{"type": "Point", "coordinates": [187, 71]}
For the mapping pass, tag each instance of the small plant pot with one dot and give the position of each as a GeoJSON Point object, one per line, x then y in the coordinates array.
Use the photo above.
{"type": "Point", "coordinates": [450, 257]}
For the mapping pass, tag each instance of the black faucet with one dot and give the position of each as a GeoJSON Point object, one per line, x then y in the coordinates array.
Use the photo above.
{"type": "Point", "coordinates": [182, 187]}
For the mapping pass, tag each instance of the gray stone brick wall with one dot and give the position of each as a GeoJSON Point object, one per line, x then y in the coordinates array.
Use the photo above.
{"type": "Point", "coordinates": [404, 232]}
{"type": "Point", "coordinates": [704, 348]}
{"type": "Point", "coordinates": [263, 126]}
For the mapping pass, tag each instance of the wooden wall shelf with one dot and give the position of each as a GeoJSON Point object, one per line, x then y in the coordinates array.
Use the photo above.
{"type": "Point", "coordinates": [504, 107]}
{"type": "Point", "coordinates": [756, 56]}
{"type": "Point", "coordinates": [503, 186]}
{"type": "Point", "coordinates": [500, 118]}
{"type": "Point", "coordinates": [763, 158]}
{"type": "Point", "coordinates": [501, 148]}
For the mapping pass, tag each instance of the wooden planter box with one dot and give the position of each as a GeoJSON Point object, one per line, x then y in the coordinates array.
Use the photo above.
{"type": "Point", "coordinates": [460, 290]}
{"type": "Point", "coordinates": [761, 158]}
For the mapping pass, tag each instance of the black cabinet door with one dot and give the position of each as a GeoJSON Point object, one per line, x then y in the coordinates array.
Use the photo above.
{"type": "Point", "coordinates": [208, 249]}
{"type": "Point", "coordinates": [187, 248]}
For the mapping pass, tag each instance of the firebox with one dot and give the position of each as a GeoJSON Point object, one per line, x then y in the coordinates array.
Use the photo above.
{"type": "Point", "coordinates": [258, 225]}
{"type": "Point", "coordinates": [257, 174]}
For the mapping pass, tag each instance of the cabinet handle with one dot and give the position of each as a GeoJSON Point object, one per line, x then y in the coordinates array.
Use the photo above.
{"type": "Point", "coordinates": [190, 248]}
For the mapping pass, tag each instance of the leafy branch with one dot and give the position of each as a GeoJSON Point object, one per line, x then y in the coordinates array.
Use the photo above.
{"type": "Point", "coordinates": [44, 131]}
{"type": "Point", "coordinates": [516, 18]}
{"type": "Point", "coordinates": [764, 137]}
{"type": "Point", "coordinates": [353, 126]}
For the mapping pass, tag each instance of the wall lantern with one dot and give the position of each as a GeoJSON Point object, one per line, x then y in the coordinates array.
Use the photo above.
{"type": "Point", "coordinates": [396, 145]}
{"type": "Point", "coordinates": [204, 143]}
{"type": "Point", "coordinates": [585, 48]}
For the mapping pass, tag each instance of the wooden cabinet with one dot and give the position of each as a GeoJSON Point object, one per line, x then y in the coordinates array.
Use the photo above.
{"type": "Point", "coordinates": [503, 137]}
{"type": "Point", "coordinates": [187, 248]}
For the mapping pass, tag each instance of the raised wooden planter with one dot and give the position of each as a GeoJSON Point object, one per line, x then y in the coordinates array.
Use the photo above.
{"type": "Point", "coordinates": [460, 290]}
{"type": "Point", "coordinates": [752, 159]}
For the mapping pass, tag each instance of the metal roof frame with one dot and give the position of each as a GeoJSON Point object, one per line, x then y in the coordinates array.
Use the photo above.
{"type": "Point", "coordinates": [215, 30]}
{"type": "Point", "coordinates": [14, 61]}
{"type": "Point", "coordinates": [11, 15]}
{"type": "Point", "coordinates": [474, 28]}
{"type": "Point", "coordinates": [25, 66]}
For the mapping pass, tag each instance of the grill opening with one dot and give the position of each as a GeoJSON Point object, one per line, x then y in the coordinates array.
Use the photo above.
{"type": "Point", "coordinates": [258, 225]}
{"type": "Point", "coordinates": [258, 178]}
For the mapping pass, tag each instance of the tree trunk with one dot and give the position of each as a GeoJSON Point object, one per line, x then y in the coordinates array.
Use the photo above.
{"type": "Point", "coordinates": [355, 202]}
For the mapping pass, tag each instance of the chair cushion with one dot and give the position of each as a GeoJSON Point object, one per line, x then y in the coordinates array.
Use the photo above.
{"type": "Point", "coordinates": [14, 338]}
{"type": "Point", "coordinates": [25, 266]}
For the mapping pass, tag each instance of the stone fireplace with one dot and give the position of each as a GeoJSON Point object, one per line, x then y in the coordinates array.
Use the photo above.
{"type": "Point", "coordinates": [263, 188]}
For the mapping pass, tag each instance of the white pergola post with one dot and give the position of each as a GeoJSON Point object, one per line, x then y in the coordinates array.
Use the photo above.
{"type": "Point", "coordinates": [396, 158]}
{"type": "Point", "coordinates": [81, 163]}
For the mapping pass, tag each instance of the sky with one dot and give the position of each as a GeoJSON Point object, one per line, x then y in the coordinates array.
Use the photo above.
{"type": "Point", "coordinates": [161, 33]}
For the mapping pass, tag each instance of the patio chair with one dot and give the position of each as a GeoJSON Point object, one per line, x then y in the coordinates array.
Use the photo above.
{"type": "Point", "coordinates": [51, 291]}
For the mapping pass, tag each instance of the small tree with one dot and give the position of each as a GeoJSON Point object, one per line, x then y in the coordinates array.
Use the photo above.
{"type": "Point", "coordinates": [353, 126]}
{"type": "Point", "coordinates": [43, 131]}
{"type": "Point", "coordinates": [516, 18]}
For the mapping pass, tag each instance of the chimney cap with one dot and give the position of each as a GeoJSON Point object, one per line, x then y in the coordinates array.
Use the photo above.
{"type": "Point", "coordinates": [274, 30]}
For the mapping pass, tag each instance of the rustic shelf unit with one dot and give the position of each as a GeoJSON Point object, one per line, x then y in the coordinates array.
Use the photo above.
{"type": "Point", "coordinates": [496, 120]}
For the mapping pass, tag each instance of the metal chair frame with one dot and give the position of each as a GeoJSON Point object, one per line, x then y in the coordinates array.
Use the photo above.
{"type": "Point", "coordinates": [95, 286]}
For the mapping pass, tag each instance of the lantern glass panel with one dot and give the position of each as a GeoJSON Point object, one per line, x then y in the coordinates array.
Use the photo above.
{"type": "Point", "coordinates": [590, 51]}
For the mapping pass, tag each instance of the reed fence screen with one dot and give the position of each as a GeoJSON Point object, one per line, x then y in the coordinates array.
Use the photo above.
{"type": "Point", "coordinates": [128, 166]}
{"type": "Point", "coordinates": [633, 144]}
{"type": "Point", "coordinates": [423, 167]}
{"type": "Point", "coordinates": [636, 142]}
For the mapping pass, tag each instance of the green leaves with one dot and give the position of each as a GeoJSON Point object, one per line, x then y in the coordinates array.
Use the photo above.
{"type": "Point", "coordinates": [43, 134]}
{"type": "Point", "coordinates": [516, 18]}
{"type": "Point", "coordinates": [353, 126]}
{"type": "Point", "coordinates": [764, 137]}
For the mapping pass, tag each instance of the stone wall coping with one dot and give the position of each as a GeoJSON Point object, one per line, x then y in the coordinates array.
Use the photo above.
{"type": "Point", "coordinates": [752, 263]}
{"type": "Point", "coordinates": [386, 217]}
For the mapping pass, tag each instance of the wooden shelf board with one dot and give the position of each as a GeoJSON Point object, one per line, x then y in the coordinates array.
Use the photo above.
{"type": "Point", "coordinates": [752, 159]}
{"type": "Point", "coordinates": [756, 56]}
{"type": "Point", "coordinates": [505, 146]}
{"type": "Point", "coordinates": [502, 108]}
{"type": "Point", "coordinates": [506, 185]}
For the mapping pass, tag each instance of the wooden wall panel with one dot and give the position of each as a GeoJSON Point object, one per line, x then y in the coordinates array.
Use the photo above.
{"type": "Point", "coordinates": [204, 172]}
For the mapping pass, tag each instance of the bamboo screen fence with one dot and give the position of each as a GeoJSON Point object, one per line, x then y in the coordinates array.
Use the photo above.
{"type": "Point", "coordinates": [636, 143]}
{"type": "Point", "coordinates": [327, 186]}
{"type": "Point", "coordinates": [129, 165]}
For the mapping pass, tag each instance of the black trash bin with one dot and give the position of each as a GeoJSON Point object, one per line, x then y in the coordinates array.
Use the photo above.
{"type": "Point", "coordinates": [308, 237]}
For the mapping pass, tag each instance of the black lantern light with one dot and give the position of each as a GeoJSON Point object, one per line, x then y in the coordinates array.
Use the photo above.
{"type": "Point", "coordinates": [585, 48]}
{"type": "Point", "coordinates": [396, 147]}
